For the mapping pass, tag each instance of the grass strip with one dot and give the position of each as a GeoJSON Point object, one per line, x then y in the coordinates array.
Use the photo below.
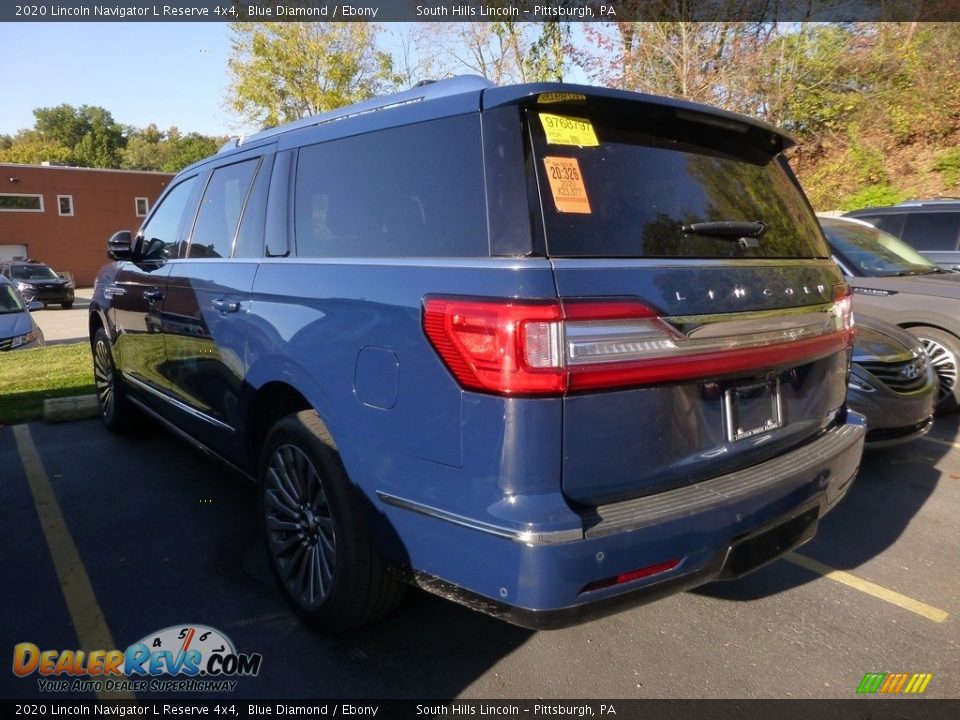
{"type": "Point", "coordinates": [28, 377]}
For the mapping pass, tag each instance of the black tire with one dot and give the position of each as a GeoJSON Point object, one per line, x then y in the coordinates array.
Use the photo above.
{"type": "Point", "coordinates": [66, 305]}
{"type": "Point", "coordinates": [321, 554]}
{"type": "Point", "coordinates": [944, 351]}
{"type": "Point", "coordinates": [115, 410]}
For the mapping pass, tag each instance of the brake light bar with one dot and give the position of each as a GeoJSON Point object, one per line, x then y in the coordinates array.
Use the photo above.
{"type": "Point", "coordinates": [519, 347]}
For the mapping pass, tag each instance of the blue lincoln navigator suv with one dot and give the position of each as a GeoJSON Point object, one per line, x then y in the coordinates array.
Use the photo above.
{"type": "Point", "coordinates": [546, 350]}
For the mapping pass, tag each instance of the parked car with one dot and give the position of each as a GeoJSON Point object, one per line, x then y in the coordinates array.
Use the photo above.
{"type": "Point", "coordinates": [18, 329]}
{"type": "Point", "coordinates": [893, 281]}
{"type": "Point", "coordinates": [892, 383]}
{"type": "Point", "coordinates": [546, 350]}
{"type": "Point", "coordinates": [930, 226]}
{"type": "Point", "coordinates": [39, 282]}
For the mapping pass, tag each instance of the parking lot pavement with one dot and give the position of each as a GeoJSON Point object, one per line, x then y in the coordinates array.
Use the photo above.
{"type": "Point", "coordinates": [63, 326]}
{"type": "Point", "coordinates": [116, 538]}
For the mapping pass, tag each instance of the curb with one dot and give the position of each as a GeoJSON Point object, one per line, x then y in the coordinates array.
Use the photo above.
{"type": "Point", "coordinates": [65, 409]}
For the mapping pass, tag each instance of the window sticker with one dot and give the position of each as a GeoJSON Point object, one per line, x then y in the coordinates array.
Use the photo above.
{"type": "Point", "coordinates": [562, 130]}
{"type": "Point", "coordinates": [566, 185]}
{"type": "Point", "coordinates": [558, 97]}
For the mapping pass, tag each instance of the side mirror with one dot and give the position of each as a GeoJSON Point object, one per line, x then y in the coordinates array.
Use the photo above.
{"type": "Point", "coordinates": [120, 246]}
{"type": "Point", "coordinates": [35, 305]}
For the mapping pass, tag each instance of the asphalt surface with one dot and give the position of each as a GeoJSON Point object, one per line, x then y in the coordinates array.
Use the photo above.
{"type": "Point", "coordinates": [64, 326]}
{"type": "Point", "coordinates": [167, 537]}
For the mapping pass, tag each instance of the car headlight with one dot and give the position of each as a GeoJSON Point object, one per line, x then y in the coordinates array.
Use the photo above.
{"type": "Point", "coordinates": [21, 286]}
{"type": "Point", "coordinates": [24, 339]}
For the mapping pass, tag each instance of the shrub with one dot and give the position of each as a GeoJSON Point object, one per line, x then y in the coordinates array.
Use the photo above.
{"type": "Point", "coordinates": [874, 195]}
{"type": "Point", "coordinates": [948, 165]}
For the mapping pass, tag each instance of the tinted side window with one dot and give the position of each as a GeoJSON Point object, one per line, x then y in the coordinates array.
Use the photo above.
{"type": "Point", "coordinates": [413, 191]}
{"type": "Point", "coordinates": [932, 231]}
{"type": "Point", "coordinates": [163, 230]}
{"type": "Point", "coordinates": [892, 223]}
{"type": "Point", "coordinates": [220, 210]}
{"type": "Point", "coordinates": [250, 236]}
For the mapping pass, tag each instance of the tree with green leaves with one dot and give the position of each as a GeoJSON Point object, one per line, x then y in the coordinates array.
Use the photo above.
{"type": "Point", "coordinates": [150, 148]}
{"type": "Point", "coordinates": [31, 148]}
{"type": "Point", "coordinates": [183, 150]}
{"type": "Point", "coordinates": [92, 136]}
{"type": "Point", "coordinates": [286, 71]}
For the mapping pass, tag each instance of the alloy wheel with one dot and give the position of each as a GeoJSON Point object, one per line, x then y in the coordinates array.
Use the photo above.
{"type": "Point", "coordinates": [945, 364]}
{"type": "Point", "coordinates": [300, 530]}
{"type": "Point", "coordinates": [103, 378]}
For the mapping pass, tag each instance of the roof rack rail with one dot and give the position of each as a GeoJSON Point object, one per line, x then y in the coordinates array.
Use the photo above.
{"type": "Point", "coordinates": [230, 144]}
{"type": "Point", "coordinates": [424, 90]}
{"type": "Point", "coordinates": [934, 200]}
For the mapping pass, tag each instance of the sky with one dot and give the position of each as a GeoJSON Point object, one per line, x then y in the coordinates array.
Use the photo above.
{"type": "Point", "coordinates": [162, 73]}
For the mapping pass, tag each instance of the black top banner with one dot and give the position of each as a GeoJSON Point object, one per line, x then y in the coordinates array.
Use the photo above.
{"type": "Point", "coordinates": [484, 11]}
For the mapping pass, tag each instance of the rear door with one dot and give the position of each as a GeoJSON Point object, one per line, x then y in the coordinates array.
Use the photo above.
{"type": "Point", "coordinates": [702, 326]}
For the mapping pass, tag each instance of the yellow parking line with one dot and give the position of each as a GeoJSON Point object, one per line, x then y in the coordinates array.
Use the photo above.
{"type": "Point", "coordinates": [85, 612]}
{"type": "Point", "coordinates": [865, 586]}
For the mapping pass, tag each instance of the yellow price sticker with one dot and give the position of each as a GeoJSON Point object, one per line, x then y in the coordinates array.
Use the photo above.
{"type": "Point", "coordinates": [563, 130]}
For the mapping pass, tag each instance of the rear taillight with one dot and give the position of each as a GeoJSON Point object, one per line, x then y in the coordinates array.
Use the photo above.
{"type": "Point", "coordinates": [518, 347]}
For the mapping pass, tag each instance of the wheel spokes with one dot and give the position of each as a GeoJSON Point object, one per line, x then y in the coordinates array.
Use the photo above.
{"type": "Point", "coordinates": [944, 365]}
{"type": "Point", "coordinates": [300, 529]}
{"type": "Point", "coordinates": [103, 377]}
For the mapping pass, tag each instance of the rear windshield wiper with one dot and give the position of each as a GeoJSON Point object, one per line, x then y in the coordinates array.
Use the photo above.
{"type": "Point", "coordinates": [726, 229]}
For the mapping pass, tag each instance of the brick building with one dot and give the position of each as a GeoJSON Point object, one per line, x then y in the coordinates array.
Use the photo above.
{"type": "Point", "coordinates": [62, 216]}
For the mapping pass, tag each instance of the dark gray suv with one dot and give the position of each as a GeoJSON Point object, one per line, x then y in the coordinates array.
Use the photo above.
{"type": "Point", "coordinates": [930, 226]}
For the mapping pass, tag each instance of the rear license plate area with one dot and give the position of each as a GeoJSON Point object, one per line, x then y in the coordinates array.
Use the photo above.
{"type": "Point", "coordinates": [750, 410]}
{"type": "Point", "coordinates": [752, 552]}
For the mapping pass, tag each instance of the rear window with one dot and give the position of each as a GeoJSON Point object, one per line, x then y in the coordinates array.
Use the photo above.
{"type": "Point", "coordinates": [611, 187]}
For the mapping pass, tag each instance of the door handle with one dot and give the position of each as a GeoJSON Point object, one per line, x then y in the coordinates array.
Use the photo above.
{"type": "Point", "coordinates": [152, 296]}
{"type": "Point", "coordinates": [225, 306]}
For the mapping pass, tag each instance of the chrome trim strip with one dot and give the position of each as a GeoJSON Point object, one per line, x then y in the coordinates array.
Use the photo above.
{"type": "Point", "coordinates": [190, 439]}
{"type": "Point", "coordinates": [752, 321]}
{"type": "Point", "coordinates": [177, 404]}
{"type": "Point", "coordinates": [527, 537]}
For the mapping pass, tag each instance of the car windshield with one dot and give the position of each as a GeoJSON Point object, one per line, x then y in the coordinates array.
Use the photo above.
{"type": "Point", "coordinates": [10, 301]}
{"type": "Point", "coordinates": [32, 272]}
{"type": "Point", "coordinates": [873, 252]}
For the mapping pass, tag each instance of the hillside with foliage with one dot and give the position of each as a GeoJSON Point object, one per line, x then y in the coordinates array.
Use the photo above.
{"type": "Point", "coordinates": [874, 107]}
